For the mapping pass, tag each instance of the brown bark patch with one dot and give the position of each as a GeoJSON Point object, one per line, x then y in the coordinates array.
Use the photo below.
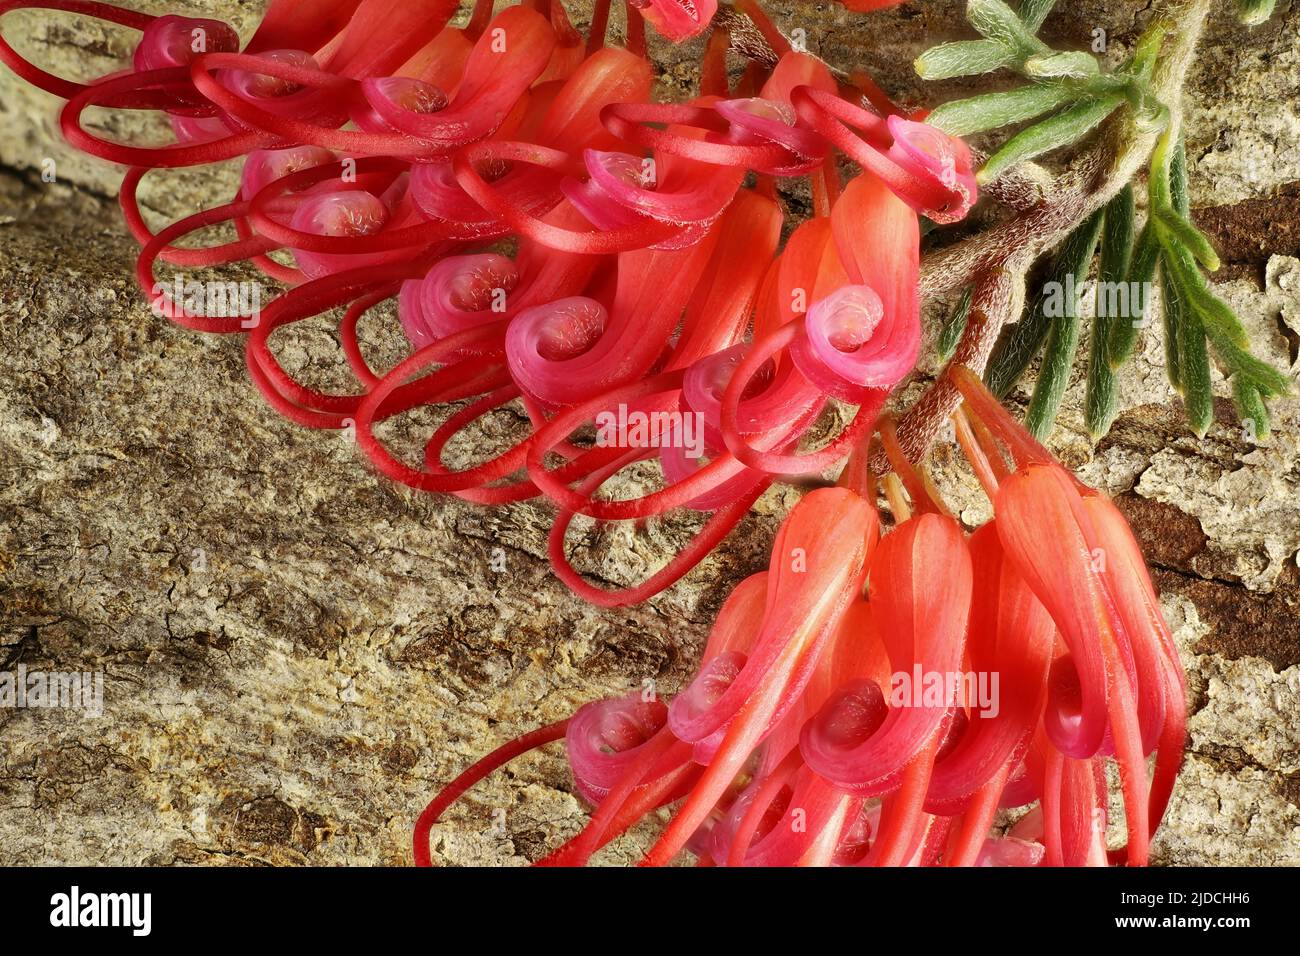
{"type": "Point", "coordinates": [1244, 623]}
{"type": "Point", "coordinates": [1251, 231]}
{"type": "Point", "coordinates": [1169, 536]}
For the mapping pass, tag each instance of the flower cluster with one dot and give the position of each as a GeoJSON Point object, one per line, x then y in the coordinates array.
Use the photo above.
{"type": "Point", "coordinates": [877, 699]}
{"type": "Point", "coordinates": [553, 238]}
{"type": "Point", "coordinates": [556, 240]}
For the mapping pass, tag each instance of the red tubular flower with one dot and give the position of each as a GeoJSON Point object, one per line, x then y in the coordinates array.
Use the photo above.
{"type": "Point", "coordinates": [921, 590]}
{"type": "Point", "coordinates": [1011, 635]}
{"type": "Point", "coordinates": [761, 656]}
{"type": "Point", "coordinates": [786, 748]}
{"type": "Point", "coordinates": [1118, 689]}
{"type": "Point", "coordinates": [857, 278]}
{"type": "Point", "coordinates": [1140, 609]}
{"type": "Point", "coordinates": [676, 19]}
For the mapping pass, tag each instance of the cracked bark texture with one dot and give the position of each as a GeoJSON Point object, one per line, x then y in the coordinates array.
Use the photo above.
{"type": "Point", "coordinates": [298, 653]}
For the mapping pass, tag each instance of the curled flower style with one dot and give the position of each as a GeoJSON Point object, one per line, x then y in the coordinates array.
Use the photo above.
{"type": "Point", "coordinates": [555, 241]}
{"type": "Point", "coordinates": [558, 243]}
{"type": "Point", "coordinates": [832, 724]}
{"type": "Point", "coordinates": [928, 169]}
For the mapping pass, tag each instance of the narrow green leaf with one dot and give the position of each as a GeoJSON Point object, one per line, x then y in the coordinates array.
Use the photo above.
{"type": "Point", "coordinates": [1195, 318]}
{"type": "Point", "coordinates": [1238, 361]}
{"type": "Point", "coordinates": [952, 331]}
{"type": "Point", "coordinates": [1194, 353]}
{"type": "Point", "coordinates": [1221, 325]}
{"type": "Point", "coordinates": [1016, 348]}
{"type": "Point", "coordinates": [1034, 12]}
{"type": "Point", "coordinates": [1198, 295]}
{"type": "Point", "coordinates": [1252, 411]}
{"type": "Point", "coordinates": [1254, 12]}
{"type": "Point", "coordinates": [1072, 65]}
{"type": "Point", "coordinates": [1102, 401]}
{"type": "Point", "coordinates": [1174, 216]}
{"type": "Point", "coordinates": [964, 58]}
{"type": "Point", "coordinates": [1053, 375]}
{"type": "Point", "coordinates": [1158, 196]}
{"type": "Point", "coordinates": [1179, 194]}
{"type": "Point", "coordinates": [1055, 301]}
{"type": "Point", "coordinates": [994, 110]}
{"type": "Point", "coordinates": [1060, 130]}
{"type": "Point", "coordinates": [1183, 232]}
{"type": "Point", "coordinates": [1141, 273]}
{"type": "Point", "coordinates": [1147, 52]}
{"type": "Point", "coordinates": [1169, 319]}
{"type": "Point", "coordinates": [1117, 238]}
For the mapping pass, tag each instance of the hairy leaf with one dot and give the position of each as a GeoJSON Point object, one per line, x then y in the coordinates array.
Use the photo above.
{"type": "Point", "coordinates": [994, 110]}
{"type": "Point", "coordinates": [964, 58]}
{"type": "Point", "coordinates": [1060, 130]}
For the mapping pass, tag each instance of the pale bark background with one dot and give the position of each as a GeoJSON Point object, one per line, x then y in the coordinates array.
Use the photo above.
{"type": "Point", "coordinates": [298, 653]}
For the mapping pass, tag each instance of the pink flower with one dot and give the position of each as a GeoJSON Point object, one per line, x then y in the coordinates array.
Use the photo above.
{"type": "Point", "coordinates": [677, 20]}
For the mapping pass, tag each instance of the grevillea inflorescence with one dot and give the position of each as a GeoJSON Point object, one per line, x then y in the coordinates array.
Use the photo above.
{"type": "Point", "coordinates": [558, 242]}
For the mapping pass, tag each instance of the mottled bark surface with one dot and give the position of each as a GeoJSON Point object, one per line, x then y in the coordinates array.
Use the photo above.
{"type": "Point", "coordinates": [297, 653]}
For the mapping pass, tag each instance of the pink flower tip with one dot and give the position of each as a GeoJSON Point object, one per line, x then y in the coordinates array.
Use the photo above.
{"type": "Point", "coordinates": [938, 158]}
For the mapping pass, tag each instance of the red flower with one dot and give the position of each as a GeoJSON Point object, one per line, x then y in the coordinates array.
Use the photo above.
{"type": "Point", "coordinates": [388, 153]}
{"type": "Point", "coordinates": [803, 739]}
{"type": "Point", "coordinates": [677, 19]}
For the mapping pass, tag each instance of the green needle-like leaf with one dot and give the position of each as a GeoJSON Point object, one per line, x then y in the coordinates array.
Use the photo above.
{"type": "Point", "coordinates": [1018, 345]}
{"type": "Point", "coordinates": [1195, 318]}
{"type": "Point", "coordinates": [1073, 65]}
{"type": "Point", "coordinates": [1016, 348]}
{"type": "Point", "coordinates": [1180, 195]}
{"type": "Point", "coordinates": [1198, 295]}
{"type": "Point", "coordinates": [1238, 361]}
{"type": "Point", "coordinates": [1194, 354]}
{"type": "Point", "coordinates": [1117, 239]}
{"type": "Point", "coordinates": [1033, 12]}
{"type": "Point", "coordinates": [1140, 277]}
{"type": "Point", "coordinates": [1169, 318]}
{"type": "Point", "coordinates": [952, 331]}
{"type": "Point", "coordinates": [1101, 402]}
{"type": "Point", "coordinates": [1184, 233]}
{"type": "Point", "coordinates": [1143, 62]}
{"type": "Point", "coordinates": [1054, 374]}
{"type": "Point", "coordinates": [1251, 408]}
{"type": "Point", "coordinates": [1158, 195]}
{"type": "Point", "coordinates": [997, 21]}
